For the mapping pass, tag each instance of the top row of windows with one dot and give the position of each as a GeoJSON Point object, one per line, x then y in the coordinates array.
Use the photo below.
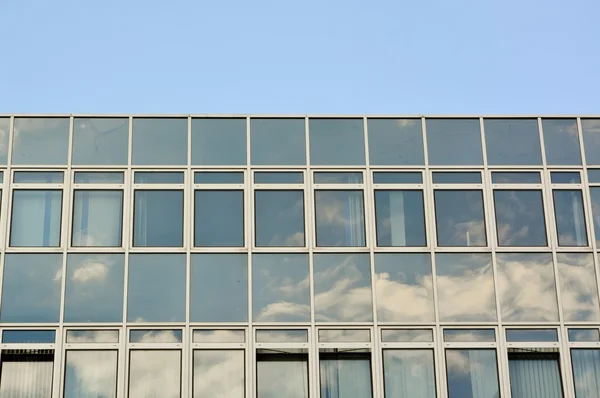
{"type": "Point", "coordinates": [282, 142]}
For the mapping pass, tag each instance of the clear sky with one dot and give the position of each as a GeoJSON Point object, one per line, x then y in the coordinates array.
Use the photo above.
{"type": "Point", "coordinates": [311, 56]}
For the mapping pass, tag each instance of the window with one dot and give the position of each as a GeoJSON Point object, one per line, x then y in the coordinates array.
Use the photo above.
{"type": "Point", "coordinates": [472, 373]}
{"type": "Point", "coordinates": [345, 374]}
{"type": "Point", "coordinates": [395, 142]}
{"type": "Point", "coordinates": [279, 217]}
{"type": "Point", "coordinates": [409, 373]}
{"type": "Point", "coordinates": [90, 373]}
{"type": "Point", "coordinates": [570, 217]}
{"type": "Point", "coordinates": [337, 141]}
{"type": "Point", "coordinates": [512, 142]}
{"type": "Point", "coordinates": [460, 218]}
{"type": "Point", "coordinates": [40, 141]}
{"type": "Point", "coordinates": [400, 218]}
{"type": "Point", "coordinates": [154, 373]}
{"type": "Point", "coordinates": [282, 372]}
{"type": "Point", "coordinates": [219, 141]}
{"type": "Point", "coordinates": [26, 373]}
{"type": "Point", "coordinates": [4, 134]}
{"type": "Point", "coordinates": [534, 373]}
{"type": "Point", "coordinates": [100, 141]}
{"type": "Point", "coordinates": [454, 142]}
{"type": "Point", "coordinates": [578, 287]}
{"type": "Point", "coordinates": [586, 372]}
{"type": "Point", "coordinates": [561, 141]}
{"type": "Point", "coordinates": [159, 141]}
{"type": "Point", "coordinates": [520, 217]}
{"type": "Point", "coordinates": [591, 139]}
{"type": "Point", "coordinates": [218, 373]}
{"type": "Point", "coordinates": [277, 141]}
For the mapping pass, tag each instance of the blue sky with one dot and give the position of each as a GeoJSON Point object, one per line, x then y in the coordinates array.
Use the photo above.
{"type": "Point", "coordinates": [328, 56]}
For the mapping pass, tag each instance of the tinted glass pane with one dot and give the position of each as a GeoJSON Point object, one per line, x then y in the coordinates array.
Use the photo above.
{"type": "Point", "coordinates": [219, 288]}
{"type": "Point", "coordinates": [472, 374]}
{"type": "Point", "coordinates": [457, 178]}
{"type": "Point", "coordinates": [561, 140]}
{"type": "Point", "coordinates": [142, 177]}
{"type": "Point", "coordinates": [281, 375]}
{"type": "Point", "coordinates": [155, 336]}
{"type": "Point", "coordinates": [158, 219]}
{"type": "Point", "coordinates": [95, 177]}
{"type": "Point", "coordinates": [278, 178]}
{"type": "Point", "coordinates": [409, 373]}
{"type": "Point", "coordinates": [465, 284]}
{"type": "Point", "coordinates": [533, 376]}
{"type": "Point", "coordinates": [279, 218]}
{"type": "Point", "coordinates": [100, 141]}
{"type": "Point", "coordinates": [31, 288]}
{"type": "Point", "coordinates": [591, 140]}
{"type": "Point", "coordinates": [40, 141]}
{"type": "Point", "coordinates": [397, 178]}
{"type": "Point", "coordinates": [344, 335]}
{"type": "Point", "coordinates": [154, 373]}
{"type": "Point", "coordinates": [219, 373]}
{"type": "Point", "coordinates": [395, 142]}
{"type": "Point", "coordinates": [36, 218]}
{"type": "Point", "coordinates": [406, 335]}
{"type": "Point", "coordinates": [512, 142]}
{"type": "Point", "coordinates": [219, 218]}
{"type": "Point", "coordinates": [97, 218]}
{"type": "Point", "coordinates": [595, 199]}
{"type": "Point", "coordinates": [280, 288]}
{"type": "Point", "coordinates": [156, 290]}
{"type": "Point", "coordinates": [578, 287]}
{"type": "Point", "coordinates": [338, 178]}
{"type": "Point", "coordinates": [516, 178]}
{"type": "Point", "coordinates": [282, 336]}
{"type": "Point", "coordinates": [219, 141]}
{"type": "Point", "coordinates": [527, 288]}
{"type": "Point", "coordinates": [4, 133]}
{"type": "Point", "coordinates": [159, 141]}
{"type": "Point", "coordinates": [340, 219]}
{"type": "Point", "coordinates": [404, 287]}
{"type": "Point", "coordinates": [531, 335]}
{"type": "Point", "coordinates": [520, 218]}
{"type": "Point", "coordinates": [277, 141]}
{"type": "Point", "coordinates": [454, 142]}
{"type": "Point", "coordinates": [91, 374]}
{"type": "Point", "coordinates": [92, 336]}
{"type": "Point", "coordinates": [593, 176]}
{"type": "Point", "coordinates": [584, 335]}
{"type": "Point", "coordinates": [586, 372]}
{"type": "Point", "coordinates": [559, 177]}
{"type": "Point", "coordinates": [459, 218]}
{"type": "Point", "coordinates": [337, 142]}
{"type": "Point", "coordinates": [469, 335]}
{"type": "Point", "coordinates": [400, 218]}
{"type": "Point", "coordinates": [345, 376]}
{"type": "Point", "coordinates": [28, 336]}
{"type": "Point", "coordinates": [570, 219]}
{"type": "Point", "coordinates": [38, 177]}
{"type": "Point", "coordinates": [219, 336]}
{"type": "Point", "coordinates": [95, 287]}
{"type": "Point", "coordinates": [217, 177]}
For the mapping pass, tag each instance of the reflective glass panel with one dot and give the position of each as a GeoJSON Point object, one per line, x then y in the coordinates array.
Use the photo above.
{"type": "Point", "coordinates": [517, 177]}
{"type": "Point", "coordinates": [219, 373]}
{"type": "Point", "coordinates": [383, 177]}
{"type": "Point", "coordinates": [409, 373]}
{"type": "Point", "coordinates": [280, 288]}
{"type": "Point", "coordinates": [454, 142]}
{"type": "Point", "coordinates": [586, 372]}
{"type": "Point", "coordinates": [404, 287]}
{"type": "Point", "coordinates": [584, 335]}
{"type": "Point", "coordinates": [219, 218]}
{"type": "Point", "coordinates": [154, 177]}
{"type": "Point", "coordinates": [520, 218]}
{"type": "Point", "coordinates": [158, 218]}
{"type": "Point", "coordinates": [591, 140]}
{"type": "Point", "coordinates": [323, 177]}
{"type": "Point", "coordinates": [219, 288]}
{"type": "Point", "coordinates": [277, 141]}
{"type": "Point", "coordinates": [97, 218]}
{"type": "Point", "coordinates": [561, 140]}
{"type": "Point", "coordinates": [282, 336]}
{"type": "Point", "coordinates": [27, 373]}
{"type": "Point", "coordinates": [340, 218]}
{"type": "Point", "coordinates": [564, 177]}
{"type": "Point", "coordinates": [395, 142]}
{"type": "Point", "coordinates": [279, 177]}
{"type": "Point", "coordinates": [593, 176]}
{"type": "Point", "coordinates": [100, 141]}
{"type": "Point", "coordinates": [570, 218]}
{"type": "Point", "coordinates": [4, 133]}
{"type": "Point", "coordinates": [155, 336]}
{"type": "Point", "coordinates": [39, 140]}
{"type": "Point", "coordinates": [342, 288]}
{"type": "Point", "coordinates": [465, 284]}
{"type": "Point", "coordinates": [459, 218]}
{"type": "Point", "coordinates": [531, 335]}
{"type": "Point", "coordinates": [512, 142]}
{"type": "Point", "coordinates": [95, 284]}
{"type": "Point", "coordinates": [472, 373]}
{"type": "Point", "coordinates": [337, 141]}
{"type": "Point", "coordinates": [578, 287]}
{"type": "Point", "coordinates": [218, 336]}
{"type": "Point", "coordinates": [218, 177]}
{"type": "Point", "coordinates": [91, 374]}
{"type": "Point", "coordinates": [154, 373]}
{"type": "Point", "coordinates": [469, 335]}
{"type": "Point", "coordinates": [92, 336]}
{"type": "Point", "coordinates": [457, 178]}
{"type": "Point", "coordinates": [36, 218]}
{"type": "Point", "coordinates": [400, 218]}
{"type": "Point", "coordinates": [156, 288]}
{"type": "Point", "coordinates": [406, 335]}
{"type": "Point", "coordinates": [219, 141]}
{"type": "Point", "coordinates": [98, 177]}
{"type": "Point", "coordinates": [344, 335]}
{"type": "Point", "coordinates": [38, 177]}
{"type": "Point", "coordinates": [159, 141]}
{"type": "Point", "coordinates": [28, 336]}
{"type": "Point", "coordinates": [534, 374]}
{"type": "Point", "coordinates": [595, 199]}
{"type": "Point", "coordinates": [279, 218]}
{"type": "Point", "coordinates": [281, 374]}
{"type": "Point", "coordinates": [31, 288]}
{"type": "Point", "coordinates": [345, 375]}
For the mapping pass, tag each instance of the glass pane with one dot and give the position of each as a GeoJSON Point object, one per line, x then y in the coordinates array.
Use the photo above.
{"type": "Point", "coordinates": [4, 133]}
{"type": "Point", "coordinates": [595, 199]}
{"type": "Point", "coordinates": [218, 373]}
{"type": "Point", "coordinates": [469, 335]}
{"type": "Point", "coordinates": [31, 288]}
{"type": "Point", "coordinates": [345, 376]}
{"type": "Point", "coordinates": [28, 336]}
{"type": "Point", "coordinates": [278, 178]}
{"type": "Point", "coordinates": [218, 177]}
{"type": "Point", "coordinates": [219, 141]}
{"type": "Point", "coordinates": [280, 288]}
{"type": "Point", "coordinates": [154, 373]}
{"type": "Point", "coordinates": [219, 218]}
{"type": "Point", "coordinates": [561, 140]}
{"type": "Point", "coordinates": [218, 336]}
{"type": "Point", "coordinates": [156, 289]}
{"type": "Point", "coordinates": [95, 284]}
{"type": "Point", "coordinates": [454, 142]}
{"type": "Point", "coordinates": [158, 219]}
{"type": "Point", "coordinates": [584, 335]}
{"type": "Point", "coordinates": [534, 376]}
{"type": "Point", "coordinates": [457, 178]}
{"type": "Point", "coordinates": [507, 177]}
{"type": "Point", "coordinates": [406, 335]}
{"type": "Point", "coordinates": [409, 373]}
{"type": "Point", "coordinates": [40, 141]}
{"type": "Point", "coordinates": [38, 177]}
{"type": "Point", "coordinates": [97, 218]}
{"type": "Point", "coordinates": [563, 177]}
{"type": "Point", "coordinates": [277, 141]}
{"type": "Point", "coordinates": [404, 287]}
{"type": "Point", "coordinates": [342, 288]}
{"type": "Point", "coordinates": [397, 178]}
{"type": "Point", "coordinates": [282, 336]}
{"type": "Point", "coordinates": [91, 374]}
{"type": "Point", "coordinates": [26, 373]}
{"type": "Point", "coordinates": [512, 142]}
{"type": "Point", "coordinates": [279, 218]}
{"type": "Point", "coordinates": [281, 375]}
{"type": "Point", "coordinates": [153, 177]}
{"type": "Point", "coordinates": [459, 218]}
{"type": "Point", "coordinates": [92, 336]}
{"type": "Point", "coordinates": [520, 218]}
{"type": "Point", "coordinates": [344, 335]}
{"type": "Point", "coordinates": [155, 336]}
{"type": "Point", "coordinates": [578, 287]}
{"type": "Point", "coordinates": [400, 218]}
{"type": "Point", "coordinates": [527, 287]}
{"type": "Point", "coordinates": [159, 141]}
{"type": "Point", "coordinates": [591, 139]}
{"type": "Point", "coordinates": [570, 219]}
{"type": "Point", "coordinates": [395, 142]}
{"type": "Point", "coordinates": [323, 177]}
{"type": "Point", "coordinates": [96, 177]}
{"type": "Point", "coordinates": [100, 141]}
{"type": "Point", "coordinates": [593, 176]}
{"type": "Point", "coordinates": [586, 372]}
{"type": "Point", "coordinates": [531, 335]}
{"type": "Point", "coordinates": [472, 374]}
{"type": "Point", "coordinates": [337, 141]}
{"type": "Point", "coordinates": [219, 288]}
{"type": "Point", "coordinates": [36, 218]}
{"type": "Point", "coordinates": [465, 284]}
{"type": "Point", "coordinates": [340, 218]}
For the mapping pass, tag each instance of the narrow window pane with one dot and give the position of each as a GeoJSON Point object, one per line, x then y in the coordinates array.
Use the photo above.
{"type": "Point", "coordinates": [28, 336]}
{"type": "Point", "coordinates": [409, 373]}
{"type": "Point", "coordinates": [507, 177]}
{"type": "Point", "coordinates": [561, 140]}
{"type": "Point", "coordinates": [520, 218]}
{"type": "Point", "coordinates": [584, 335]}
{"type": "Point", "coordinates": [531, 335]}
{"type": "Point", "coordinates": [155, 336]}
{"type": "Point", "coordinates": [586, 372]}
{"type": "Point", "coordinates": [219, 141]}
{"type": "Point", "coordinates": [156, 177]}
{"type": "Point", "coordinates": [158, 219]}
{"type": "Point", "coordinates": [36, 218]}
{"type": "Point", "coordinates": [459, 218]}
{"type": "Point", "coordinates": [280, 288]}
{"type": "Point", "coordinates": [345, 375]}
{"type": "Point", "coordinates": [593, 176]}
{"type": "Point", "coordinates": [565, 177]}
{"type": "Point", "coordinates": [26, 373]}
{"type": "Point", "coordinates": [43, 141]}
{"type": "Point", "coordinates": [404, 287]}
{"type": "Point", "coordinates": [337, 142]}
{"type": "Point", "coordinates": [406, 335]}
{"type": "Point", "coordinates": [277, 141]}
{"type": "Point", "coordinates": [344, 335]}
{"type": "Point", "coordinates": [279, 177]}
{"type": "Point", "coordinates": [591, 139]}
{"type": "Point", "coordinates": [97, 218]}
{"type": "Point", "coordinates": [578, 287]}
{"type": "Point", "coordinates": [154, 373]}
{"type": "Point", "coordinates": [92, 336]}
{"type": "Point", "coordinates": [218, 336]}
{"type": "Point", "coordinates": [38, 177]}
{"type": "Point", "coordinates": [324, 177]}
{"type": "Point", "coordinates": [534, 375]}
{"type": "Point", "coordinates": [219, 218]}
{"type": "Point", "coordinates": [218, 373]}
{"type": "Point", "coordinates": [397, 178]}
{"type": "Point", "coordinates": [595, 199]}
{"type": "Point", "coordinates": [570, 218]}
{"type": "Point", "coordinates": [400, 218]}
{"type": "Point", "coordinates": [282, 336]}
{"type": "Point", "coordinates": [469, 335]}
{"type": "Point", "coordinates": [4, 133]}
{"type": "Point", "coordinates": [279, 218]}
{"type": "Point", "coordinates": [91, 374]}
{"type": "Point", "coordinates": [282, 375]}
{"type": "Point", "coordinates": [456, 178]}
{"type": "Point", "coordinates": [97, 177]}
{"type": "Point", "coordinates": [99, 141]}
{"type": "Point", "coordinates": [218, 177]}
{"type": "Point", "coordinates": [472, 374]}
{"type": "Point", "coordinates": [395, 142]}
{"type": "Point", "coordinates": [512, 142]}
{"type": "Point", "coordinates": [340, 218]}
{"type": "Point", "coordinates": [159, 141]}
{"type": "Point", "coordinates": [454, 142]}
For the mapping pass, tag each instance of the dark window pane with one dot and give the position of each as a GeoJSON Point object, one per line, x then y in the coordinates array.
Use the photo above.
{"type": "Point", "coordinates": [279, 218]}
{"type": "Point", "coordinates": [154, 373]}
{"type": "Point", "coordinates": [158, 219]}
{"type": "Point", "coordinates": [593, 176]}
{"type": "Point", "coordinates": [561, 140]}
{"type": "Point", "coordinates": [520, 218]}
{"type": "Point", "coordinates": [409, 373]}
{"type": "Point", "coordinates": [397, 178]}
{"type": "Point", "coordinates": [562, 177]}
{"type": "Point", "coordinates": [395, 142]}
{"type": "Point", "coordinates": [454, 142]}
{"type": "Point", "coordinates": [472, 373]}
{"type": "Point", "coordinates": [570, 218]}
{"type": "Point", "coordinates": [457, 178]}
{"type": "Point", "coordinates": [159, 141]}
{"type": "Point", "coordinates": [219, 373]}
{"type": "Point", "coordinates": [595, 199]}
{"type": "Point", "coordinates": [531, 335]}
{"type": "Point", "coordinates": [586, 372]}
{"type": "Point", "coordinates": [28, 336]}
{"type": "Point", "coordinates": [153, 177]}
{"type": "Point", "coordinates": [38, 177]}
{"type": "Point", "coordinates": [338, 178]}
{"type": "Point", "coordinates": [459, 218]}
{"type": "Point", "coordinates": [512, 142]}
{"type": "Point", "coordinates": [99, 141]}
{"type": "Point", "coordinates": [98, 177]}
{"type": "Point", "coordinates": [578, 287]}
{"type": "Point", "coordinates": [36, 218]}
{"type": "Point", "coordinates": [278, 141]}
{"type": "Point", "coordinates": [337, 142]}
{"type": "Point", "coordinates": [218, 177]}
{"type": "Point", "coordinates": [40, 141]}
{"type": "Point", "coordinates": [219, 141]}
{"type": "Point", "coordinates": [400, 218]}
{"type": "Point", "coordinates": [278, 178]}
{"type": "Point", "coordinates": [4, 133]}
{"type": "Point", "coordinates": [534, 374]}
{"type": "Point", "coordinates": [97, 218]}
{"type": "Point", "coordinates": [340, 219]}
{"type": "Point", "coordinates": [591, 139]}
{"type": "Point", "coordinates": [345, 375]}
{"type": "Point", "coordinates": [219, 218]}
{"type": "Point", "coordinates": [507, 177]}
{"type": "Point", "coordinates": [91, 374]}
{"type": "Point", "coordinates": [469, 335]}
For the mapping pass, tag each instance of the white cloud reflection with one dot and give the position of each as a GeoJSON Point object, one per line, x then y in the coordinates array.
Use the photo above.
{"type": "Point", "coordinates": [578, 287]}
